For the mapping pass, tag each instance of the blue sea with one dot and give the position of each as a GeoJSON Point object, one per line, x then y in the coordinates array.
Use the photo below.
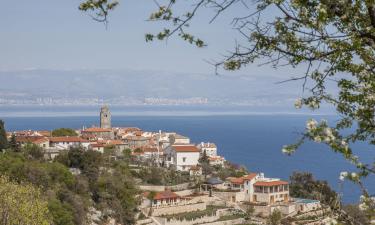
{"type": "Point", "coordinates": [252, 139]}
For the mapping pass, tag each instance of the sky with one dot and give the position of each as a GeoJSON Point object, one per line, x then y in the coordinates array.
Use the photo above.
{"type": "Point", "coordinates": [54, 34]}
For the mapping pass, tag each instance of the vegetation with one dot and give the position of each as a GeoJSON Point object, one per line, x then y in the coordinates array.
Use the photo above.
{"type": "Point", "coordinates": [330, 41]}
{"type": "Point", "coordinates": [205, 164]}
{"type": "Point", "coordinates": [61, 132]}
{"type": "Point", "coordinates": [161, 176]}
{"type": "Point", "coordinates": [360, 216]}
{"type": "Point", "coordinates": [275, 217]}
{"type": "Point", "coordinates": [304, 185]}
{"type": "Point", "coordinates": [67, 197]}
{"type": "Point", "coordinates": [22, 204]}
{"type": "Point", "coordinates": [210, 210]}
{"type": "Point", "coordinates": [3, 136]}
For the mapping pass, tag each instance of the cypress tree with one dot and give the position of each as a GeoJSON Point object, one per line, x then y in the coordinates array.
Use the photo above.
{"type": "Point", "coordinates": [3, 136]}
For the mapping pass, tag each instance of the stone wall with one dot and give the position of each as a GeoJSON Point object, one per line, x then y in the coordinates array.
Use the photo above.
{"type": "Point", "coordinates": [178, 209]}
{"type": "Point", "coordinates": [159, 188]}
{"type": "Point", "coordinates": [207, 220]}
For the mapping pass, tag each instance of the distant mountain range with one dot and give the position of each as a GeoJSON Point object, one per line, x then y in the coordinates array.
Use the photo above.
{"type": "Point", "coordinates": [127, 87]}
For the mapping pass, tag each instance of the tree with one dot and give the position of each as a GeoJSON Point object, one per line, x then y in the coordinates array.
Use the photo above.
{"type": "Point", "coordinates": [357, 214]}
{"type": "Point", "coordinates": [275, 217]}
{"type": "Point", "coordinates": [151, 197]}
{"type": "Point", "coordinates": [205, 163]}
{"type": "Point", "coordinates": [33, 151]}
{"type": "Point", "coordinates": [62, 213]}
{"type": "Point", "coordinates": [13, 143]}
{"type": "Point", "coordinates": [331, 41]}
{"type": "Point", "coordinates": [3, 136]}
{"type": "Point", "coordinates": [64, 132]}
{"type": "Point", "coordinates": [304, 185]}
{"type": "Point", "coordinates": [22, 204]}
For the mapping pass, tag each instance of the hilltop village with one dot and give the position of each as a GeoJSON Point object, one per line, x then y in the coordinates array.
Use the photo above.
{"type": "Point", "coordinates": [202, 188]}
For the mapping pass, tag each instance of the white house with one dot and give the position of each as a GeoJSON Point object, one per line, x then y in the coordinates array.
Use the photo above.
{"type": "Point", "coordinates": [210, 148]}
{"type": "Point", "coordinates": [67, 142]}
{"type": "Point", "coordinates": [179, 139]}
{"type": "Point", "coordinates": [183, 157]}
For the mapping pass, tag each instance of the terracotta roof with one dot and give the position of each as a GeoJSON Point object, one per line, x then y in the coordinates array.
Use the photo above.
{"type": "Point", "coordinates": [270, 183]}
{"type": "Point", "coordinates": [67, 139]}
{"type": "Point", "coordinates": [41, 140]}
{"type": "Point", "coordinates": [250, 176]}
{"type": "Point", "coordinates": [185, 148]}
{"type": "Point", "coordinates": [28, 138]}
{"type": "Point", "coordinates": [136, 138]}
{"type": "Point", "coordinates": [165, 195]}
{"type": "Point", "coordinates": [236, 180]}
{"type": "Point", "coordinates": [150, 149]}
{"type": "Point", "coordinates": [44, 133]}
{"type": "Point", "coordinates": [96, 130]}
{"type": "Point", "coordinates": [97, 145]}
{"type": "Point", "coordinates": [112, 142]}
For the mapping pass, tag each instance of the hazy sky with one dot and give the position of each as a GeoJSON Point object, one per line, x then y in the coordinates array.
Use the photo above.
{"type": "Point", "coordinates": [54, 34]}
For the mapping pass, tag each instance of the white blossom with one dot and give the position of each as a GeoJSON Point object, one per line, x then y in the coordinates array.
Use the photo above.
{"type": "Point", "coordinates": [311, 124]}
{"type": "Point", "coordinates": [343, 175]}
{"type": "Point", "coordinates": [298, 103]}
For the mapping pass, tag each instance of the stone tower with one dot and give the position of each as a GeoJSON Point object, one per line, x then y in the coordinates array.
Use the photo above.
{"type": "Point", "coordinates": [105, 117]}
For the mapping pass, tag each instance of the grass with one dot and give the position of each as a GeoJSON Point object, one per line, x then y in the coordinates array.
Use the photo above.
{"type": "Point", "coordinates": [231, 217]}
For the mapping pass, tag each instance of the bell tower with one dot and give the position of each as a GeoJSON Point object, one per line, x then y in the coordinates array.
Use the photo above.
{"type": "Point", "coordinates": [105, 117]}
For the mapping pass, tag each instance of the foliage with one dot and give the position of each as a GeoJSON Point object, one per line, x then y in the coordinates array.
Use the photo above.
{"type": "Point", "coordinates": [101, 8]}
{"type": "Point", "coordinates": [205, 164]}
{"type": "Point", "coordinates": [108, 187]}
{"type": "Point", "coordinates": [61, 132]}
{"type": "Point", "coordinates": [33, 151]}
{"type": "Point", "coordinates": [332, 41]}
{"type": "Point", "coordinates": [3, 136]}
{"type": "Point", "coordinates": [116, 189]}
{"type": "Point", "coordinates": [358, 215]}
{"type": "Point", "coordinates": [275, 218]}
{"type": "Point", "coordinates": [304, 185]}
{"type": "Point", "coordinates": [21, 204]}
{"type": "Point", "coordinates": [61, 212]}
{"type": "Point", "coordinates": [13, 143]}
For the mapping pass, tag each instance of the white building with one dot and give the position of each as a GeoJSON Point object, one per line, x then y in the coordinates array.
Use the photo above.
{"type": "Point", "coordinates": [179, 139]}
{"type": "Point", "coordinates": [183, 157]}
{"type": "Point", "coordinates": [210, 148]}
{"type": "Point", "coordinates": [68, 142]}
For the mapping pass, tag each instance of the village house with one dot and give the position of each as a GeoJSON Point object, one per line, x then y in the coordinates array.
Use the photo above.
{"type": "Point", "coordinates": [216, 160]}
{"type": "Point", "coordinates": [40, 141]}
{"type": "Point", "coordinates": [270, 191]}
{"type": "Point", "coordinates": [99, 147]}
{"type": "Point", "coordinates": [95, 133]}
{"type": "Point", "coordinates": [178, 139]}
{"type": "Point", "coordinates": [209, 148]}
{"type": "Point", "coordinates": [182, 157]}
{"type": "Point", "coordinates": [68, 142]}
{"type": "Point", "coordinates": [137, 141]}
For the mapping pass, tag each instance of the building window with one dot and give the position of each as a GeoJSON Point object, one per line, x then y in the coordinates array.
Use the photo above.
{"type": "Point", "coordinates": [184, 159]}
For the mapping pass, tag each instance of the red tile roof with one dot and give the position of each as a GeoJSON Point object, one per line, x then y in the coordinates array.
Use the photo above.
{"type": "Point", "coordinates": [150, 149]}
{"type": "Point", "coordinates": [165, 195]}
{"type": "Point", "coordinates": [67, 139]}
{"type": "Point", "coordinates": [236, 180]}
{"type": "Point", "coordinates": [96, 130]}
{"type": "Point", "coordinates": [185, 148]}
{"type": "Point", "coordinates": [250, 176]}
{"type": "Point", "coordinates": [28, 139]}
{"type": "Point", "coordinates": [270, 183]}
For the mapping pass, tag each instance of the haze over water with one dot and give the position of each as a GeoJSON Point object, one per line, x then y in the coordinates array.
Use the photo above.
{"type": "Point", "coordinates": [253, 139]}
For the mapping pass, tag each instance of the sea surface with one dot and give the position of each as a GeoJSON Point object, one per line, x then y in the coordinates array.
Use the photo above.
{"type": "Point", "coordinates": [252, 139]}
